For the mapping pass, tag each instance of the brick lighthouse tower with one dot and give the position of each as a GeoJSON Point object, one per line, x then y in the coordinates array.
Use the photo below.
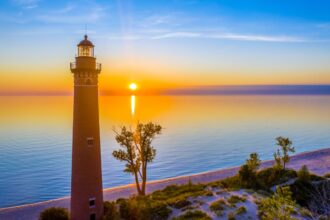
{"type": "Point", "coordinates": [86, 182]}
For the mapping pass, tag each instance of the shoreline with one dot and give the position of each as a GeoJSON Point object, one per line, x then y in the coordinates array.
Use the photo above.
{"type": "Point", "coordinates": [317, 161]}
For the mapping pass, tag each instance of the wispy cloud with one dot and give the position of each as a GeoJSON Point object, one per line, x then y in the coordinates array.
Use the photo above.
{"type": "Point", "coordinates": [178, 35]}
{"type": "Point", "coordinates": [231, 36]}
{"type": "Point", "coordinates": [263, 38]}
{"type": "Point", "coordinates": [325, 25]}
{"type": "Point", "coordinates": [26, 4]}
{"type": "Point", "coordinates": [67, 15]}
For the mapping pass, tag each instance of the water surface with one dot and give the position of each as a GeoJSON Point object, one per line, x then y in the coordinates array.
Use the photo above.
{"type": "Point", "coordinates": [201, 133]}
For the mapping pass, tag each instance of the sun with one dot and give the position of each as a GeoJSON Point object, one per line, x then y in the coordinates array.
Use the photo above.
{"type": "Point", "coordinates": [132, 86]}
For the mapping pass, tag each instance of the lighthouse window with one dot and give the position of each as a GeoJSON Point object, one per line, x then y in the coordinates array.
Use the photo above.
{"type": "Point", "coordinates": [90, 141]}
{"type": "Point", "coordinates": [91, 202]}
{"type": "Point", "coordinates": [92, 216]}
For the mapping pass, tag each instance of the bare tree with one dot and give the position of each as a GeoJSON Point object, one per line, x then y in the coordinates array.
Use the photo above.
{"type": "Point", "coordinates": [137, 151]}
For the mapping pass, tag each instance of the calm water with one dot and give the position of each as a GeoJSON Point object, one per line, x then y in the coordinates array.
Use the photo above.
{"type": "Point", "coordinates": [201, 133]}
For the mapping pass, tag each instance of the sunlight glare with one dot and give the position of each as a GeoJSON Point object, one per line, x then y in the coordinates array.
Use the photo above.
{"type": "Point", "coordinates": [133, 86]}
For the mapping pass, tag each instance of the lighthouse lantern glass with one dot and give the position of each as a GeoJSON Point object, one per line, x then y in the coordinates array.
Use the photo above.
{"type": "Point", "coordinates": [85, 51]}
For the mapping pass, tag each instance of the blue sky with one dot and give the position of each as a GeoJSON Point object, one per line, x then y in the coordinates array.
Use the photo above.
{"type": "Point", "coordinates": [225, 40]}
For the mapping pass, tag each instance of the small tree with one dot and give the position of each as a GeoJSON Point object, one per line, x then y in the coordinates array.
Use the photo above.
{"type": "Point", "coordinates": [282, 158]}
{"type": "Point", "coordinates": [247, 173]}
{"type": "Point", "coordinates": [138, 151]}
{"type": "Point", "coordinates": [279, 206]}
{"type": "Point", "coordinates": [253, 162]}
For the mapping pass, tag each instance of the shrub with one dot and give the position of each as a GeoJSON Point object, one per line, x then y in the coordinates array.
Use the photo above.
{"type": "Point", "coordinates": [110, 211]}
{"type": "Point", "coordinates": [230, 183]}
{"type": "Point", "coordinates": [219, 205]}
{"type": "Point", "coordinates": [208, 193]}
{"type": "Point", "coordinates": [272, 176]}
{"type": "Point", "coordinates": [301, 192]}
{"type": "Point", "coordinates": [278, 206]}
{"type": "Point", "coordinates": [231, 216]}
{"type": "Point", "coordinates": [193, 215]}
{"type": "Point", "coordinates": [306, 213]}
{"type": "Point", "coordinates": [143, 208]}
{"type": "Point", "coordinates": [247, 177]}
{"type": "Point", "coordinates": [241, 210]}
{"type": "Point", "coordinates": [247, 172]}
{"type": "Point", "coordinates": [176, 191]}
{"type": "Point", "coordinates": [54, 213]}
{"type": "Point", "coordinates": [235, 199]}
{"type": "Point", "coordinates": [181, 204]}
{"type": "Point", "coordinates": [303, 174]}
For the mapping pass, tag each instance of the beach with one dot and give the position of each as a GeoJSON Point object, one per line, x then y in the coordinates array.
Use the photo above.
{"type": "Point", "coordinates": [318, 162]}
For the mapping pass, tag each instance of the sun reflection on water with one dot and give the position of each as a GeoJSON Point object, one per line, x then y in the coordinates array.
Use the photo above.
{"type": "Point", "coordinates": [133, 105]}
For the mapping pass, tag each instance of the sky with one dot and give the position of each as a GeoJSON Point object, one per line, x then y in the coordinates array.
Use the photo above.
{"type": "Point", "coordinates": [165, 43]}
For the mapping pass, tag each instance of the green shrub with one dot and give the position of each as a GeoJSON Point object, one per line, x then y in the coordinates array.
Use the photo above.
{"type": "Point", "coordinates": [230, 183]}
{"type": "Point", "coordinates": [181, 191]}
{"type": "Point", "coordinates": [181, 204]}
{"type": "Point", "coordinates": [236, 199]}
{"type": "Point", "coordinates": [193, 215]}
{"type": "Point", "coordinates": [218, 205]}
{"type": "Point", "coordinates": [208, 193]}
{"type": "Point", "coordinates": [301, 192]}
{"type": "Point", "coordinates": [54, 213]}
{"type": "Point", "coordinates": [272, 176]}
{"type": "Point", "coordinates": [231, 216]}
{"type": "Point", "coordinates": [143, 208]}
{"type": "Point", "coordinates": [306, 213]}
{"type": "Point", "coordinates": [110, 211]}
{"type": "Point", "coordinates": [241, 210]}
{"type": "Point", "coordinates": [278, 206]}
{"type": "Point", "coordinates": [303, 174]}
{"type": "Point", "coordinates": [247, 177]}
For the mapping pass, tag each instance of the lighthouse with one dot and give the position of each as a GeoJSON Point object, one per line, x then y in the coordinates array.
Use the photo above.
{"type": "Point", "coordinates": [86, 179]}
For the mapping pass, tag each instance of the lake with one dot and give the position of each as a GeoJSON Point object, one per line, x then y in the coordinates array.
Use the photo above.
{"type": "Point", "coordinates": [201, 133]}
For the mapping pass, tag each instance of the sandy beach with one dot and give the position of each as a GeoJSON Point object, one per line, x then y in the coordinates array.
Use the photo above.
{"type": "Point", "coordinates": [317, 161]}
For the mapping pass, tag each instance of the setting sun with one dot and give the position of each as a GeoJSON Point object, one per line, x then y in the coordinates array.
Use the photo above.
{"type": "Point", "coordinates": [132, 86]}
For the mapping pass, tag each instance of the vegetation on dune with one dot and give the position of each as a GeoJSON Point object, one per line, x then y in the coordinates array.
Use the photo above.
{"type": "Point", "coordinates": [303, 174]}
{"type": "Point", "coordinates": [235, 199]}
{"type": "Point", "coordinates": [248, 172]}
{"type": "Point", "coordinates": [142, 208]}
{"type": "Point", "coordinates": [137, 151]}
{"type": "Point", "coordinates": [282, 156]}
{"type": "Point", "coordinates": [193, 215]}
{"type": "Point", "coordinates": [111, 211]}
{"type": "Point", "coordinates": [156, 205]}
{"type": "Point", "coordinates": [218, 207]}
{"type": "Point", "coordinates": [279, 206]}
{"type": "Point", "coordinates": [312, 195]}
{"type": "Point", "coordinates": [309, 191]}
{"type": "Point", "coordinates": [241, 210]}
{"type": "Point", "coordinates": [54, 213]}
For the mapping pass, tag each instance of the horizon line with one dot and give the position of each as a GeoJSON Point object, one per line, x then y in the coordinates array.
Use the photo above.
{"type": "Point", "coordinates": [292, 89]}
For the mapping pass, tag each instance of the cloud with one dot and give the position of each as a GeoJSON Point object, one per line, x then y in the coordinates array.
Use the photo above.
{"type": "Point", "coordinates": [178, 35]}
{"type": "Point", "coordinates": [26, 4]}
{"type": "Point", "coordinates": [231, 36]}
{"type": "Point", "coordinates": [264, 38]}
{"type": "Point", "coordinates": [325, 25]}
{"type": "Point", "coordinates": [67, 15]}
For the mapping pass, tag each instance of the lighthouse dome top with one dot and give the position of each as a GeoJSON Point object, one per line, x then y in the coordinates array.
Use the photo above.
{"type": "Point", "coordinates": [86, 42]}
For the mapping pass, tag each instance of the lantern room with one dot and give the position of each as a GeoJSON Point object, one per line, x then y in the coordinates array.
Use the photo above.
{"type": "Point", "coordinates": [85, 48]}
